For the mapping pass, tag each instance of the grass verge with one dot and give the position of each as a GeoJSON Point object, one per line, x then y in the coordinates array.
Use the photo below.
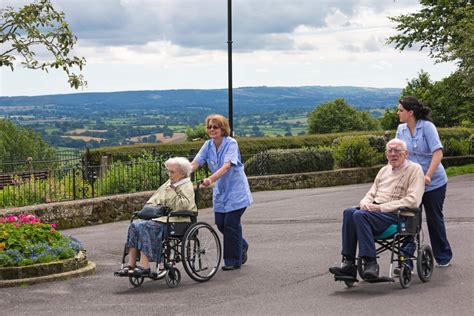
{"type": "Point", "coordinates": [459, 170]}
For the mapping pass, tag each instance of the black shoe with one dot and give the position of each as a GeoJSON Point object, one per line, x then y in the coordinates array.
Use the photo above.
{"type": "Point", "coordinates": [346, 269]}
{"type": "Point", "coordinates": [141, 271]}
{"type": "Point", "coordinates": [371, 270]}
{"type": "Point", "coordinates": [244, 255]}
{"type": "Point", "coordinates": [229, 268]}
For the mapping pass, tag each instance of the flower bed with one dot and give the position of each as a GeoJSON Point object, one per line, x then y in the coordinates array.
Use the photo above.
{"type": "Point", "coordinates": [25, 240]}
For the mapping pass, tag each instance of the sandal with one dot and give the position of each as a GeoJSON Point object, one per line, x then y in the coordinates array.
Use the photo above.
{"type": "Point", "coordinates": [125, 270]}
{"type": "Point", "coordinates": [141, 271]}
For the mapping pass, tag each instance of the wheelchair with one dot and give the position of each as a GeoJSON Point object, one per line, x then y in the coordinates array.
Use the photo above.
{"type": "Point", "coordinates": [392, 240]}
{"type": "Point", "coordinates": [195, 244]}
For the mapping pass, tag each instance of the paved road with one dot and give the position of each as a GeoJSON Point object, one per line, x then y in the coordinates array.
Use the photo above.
{"type": "Point", "coordinates": [294, 237]}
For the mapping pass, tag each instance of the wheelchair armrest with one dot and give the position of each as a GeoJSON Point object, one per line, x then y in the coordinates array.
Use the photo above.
{"type": "Point", "coordinates": [413, 210]}
{"type": "Point", "coordinates": [182, 213]}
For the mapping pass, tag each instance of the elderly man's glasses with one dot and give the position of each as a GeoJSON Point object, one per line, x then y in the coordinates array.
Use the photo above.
{"type": "Point", "coordinates": [394, 151]}
{"type": "Point", "coordinates": [213, 127]}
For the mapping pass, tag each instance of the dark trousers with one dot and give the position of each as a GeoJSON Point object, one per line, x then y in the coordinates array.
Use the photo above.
{"type": "Point", "coordinates": [234, 244]}
{"type": "Point", "coordinates": [359, 226]}
{"type": "Point", "coordinates": [433, 205]}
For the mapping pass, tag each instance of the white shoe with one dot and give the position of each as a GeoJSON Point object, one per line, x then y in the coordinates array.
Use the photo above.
{"type": "Point", "coordinates": [443, 265]}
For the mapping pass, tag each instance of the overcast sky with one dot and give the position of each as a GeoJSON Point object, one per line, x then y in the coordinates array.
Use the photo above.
{"type": "Point", "coordinates": [176, 44]}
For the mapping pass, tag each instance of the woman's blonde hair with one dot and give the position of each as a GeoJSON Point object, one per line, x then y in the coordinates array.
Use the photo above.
{"type": "Point", "coordinates": [221, 121]}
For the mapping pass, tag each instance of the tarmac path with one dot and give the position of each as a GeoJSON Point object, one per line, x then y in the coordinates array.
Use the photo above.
{"type": "Point", "coordinates": [294, 237]}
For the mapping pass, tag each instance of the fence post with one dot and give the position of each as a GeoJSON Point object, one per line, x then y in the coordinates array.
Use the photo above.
{"type": "Point", "coordinates": [74, 183]}
{"type": "Point", "coordinates": [29, 163]}
{"type": "Point", "coordinates": [104, 163]}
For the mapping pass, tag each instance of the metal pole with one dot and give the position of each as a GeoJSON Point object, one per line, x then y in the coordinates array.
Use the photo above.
{"type": "Point", "coordinates": [229, 46]}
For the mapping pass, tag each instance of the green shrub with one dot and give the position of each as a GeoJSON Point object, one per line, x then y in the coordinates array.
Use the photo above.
{"type": "Point", "coordinates": [248, 146]}
{"type": "Point", "coordinates": [353, 152]}
{"type": "Point", "coordinates": [454, 147]}
{"type": "Point", "coordinates": [282, 161]}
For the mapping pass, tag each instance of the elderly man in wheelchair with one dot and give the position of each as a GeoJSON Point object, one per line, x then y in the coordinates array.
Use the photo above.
{"type": "Point", "coordinates": [167, 233]}
{"type": "Point", "coordinates": [386, 215]}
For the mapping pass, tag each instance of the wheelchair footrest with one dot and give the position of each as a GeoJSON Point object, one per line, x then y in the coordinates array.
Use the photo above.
{"type": "Point", "coordinates": [345, 278]}
{"type": "Point", "coordinates": [118, 274]}
{"type": "Point", "coordinates": [380, 280]}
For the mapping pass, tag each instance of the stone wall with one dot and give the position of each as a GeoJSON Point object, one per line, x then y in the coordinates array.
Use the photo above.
{"type": "Point", "coordinates": [120, 207]}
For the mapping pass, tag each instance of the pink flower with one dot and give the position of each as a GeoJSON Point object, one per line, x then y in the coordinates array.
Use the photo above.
{"type": "Point", "coordinates": [52, 230]}
{"type": "Point", "coordinates": [11, 219]}
{"type": "Point", "coordinates": [53, 225]}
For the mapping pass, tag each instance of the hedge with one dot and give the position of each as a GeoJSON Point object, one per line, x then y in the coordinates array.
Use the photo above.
{"type": "Point", "coordinates": [283, 161]}
{"type": "Point", "coordinates": [248, 146]}
{"type": "Point", "coordinates": [251, 146]}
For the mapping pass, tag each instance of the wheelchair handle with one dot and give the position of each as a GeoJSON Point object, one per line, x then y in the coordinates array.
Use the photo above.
{"type": "Point", "coordinates": [413, 210]}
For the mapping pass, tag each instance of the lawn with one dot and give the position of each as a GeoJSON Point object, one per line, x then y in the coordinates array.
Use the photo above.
{"type": "Point", "coordinates": [459, 170]}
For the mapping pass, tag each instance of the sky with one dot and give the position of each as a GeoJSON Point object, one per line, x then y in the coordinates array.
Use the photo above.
{"type": "Point", "coordinates": [182, 44]}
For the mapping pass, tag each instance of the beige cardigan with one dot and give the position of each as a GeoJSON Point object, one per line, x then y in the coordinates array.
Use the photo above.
{"type": "Point", "coordinates": [396, 188]}
{"type": "Point", "coordinates": [179, 198]}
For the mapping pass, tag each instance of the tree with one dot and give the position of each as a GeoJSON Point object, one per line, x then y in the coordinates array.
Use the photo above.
{"type": "Point", "coordinates": [419, 87]}
{"type": "Point", "coordinates": [17, 144]}
{"type": "Point", "coordinates": [449, 106]}
{"type": "Point", "coordinates": [39, 26]}
{"type": "Point", "coordinates": [337, 116]}
{"type": "Point", "coordinates": [446, 29]}
{"type": "Point", "coordinates": [199, 132]}
{"type": "Point", "coordinates": [390, 120]}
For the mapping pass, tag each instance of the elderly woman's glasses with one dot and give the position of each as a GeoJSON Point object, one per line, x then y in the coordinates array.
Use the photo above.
{"type": "Point", "coordinates": [213, 127]}
{"type": "Point", "coordinates": [394, 151]}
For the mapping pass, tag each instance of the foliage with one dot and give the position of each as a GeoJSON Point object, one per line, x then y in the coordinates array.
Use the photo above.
{"type": "Point", "coordinates": [449, 106]}
{"type": "Point", "coordinates": [39, 24]}
{"type": "Point", "coordinates": [282, 161]}
{"type": "Point", "coordinates": [196, 133]}
{"type": "Point", "coordinates": [446, 29]}
{"type": "Point", "coordinates": [140, 174]}
{"type": "Point", "coordinates": [454, 147]}
{"type": "Point", "coordinates": [25, 240]}
{"type": "Point", "coordinates": [337, 116]}
{"type": "Point", "coordinates": [17, 143]}
{"type": "Point", "coordinates": [389, 119]}
{"type": "Point", "coordinates": [248, 146]}
{"type": "Point", "coordinates": [353, 152]}
{"type": "Point", "coordinates": [460, 170]}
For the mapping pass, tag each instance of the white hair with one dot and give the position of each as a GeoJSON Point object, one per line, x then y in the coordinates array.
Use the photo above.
{"type": "Point", "coordinates": [398, 142]}
{"type": "Point", "coordinates": [183, 164]}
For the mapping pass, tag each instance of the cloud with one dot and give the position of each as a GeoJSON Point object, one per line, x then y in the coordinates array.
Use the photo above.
{"type": "Point", "coordinates": [257, 24]}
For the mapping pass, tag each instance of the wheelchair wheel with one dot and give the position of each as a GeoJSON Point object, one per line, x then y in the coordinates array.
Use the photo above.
{"type": "Point", "coordinates": [201, 252]}
{"type": "Point", "coordinates": [405, 276]}
{"type": "Point", "coordinates": [349, 283]}
{"type": "Point", "coordinates": [425, 263]}
{"type": "Point", "coordinates": [136, 281]}
{"type": "Point", "coordinates": [173, 277]}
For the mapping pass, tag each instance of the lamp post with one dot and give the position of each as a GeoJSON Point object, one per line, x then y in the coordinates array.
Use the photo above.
{"type": "Point", "coordinates": [229, 63]}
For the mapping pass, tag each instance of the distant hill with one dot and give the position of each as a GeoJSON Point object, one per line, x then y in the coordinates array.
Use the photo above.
{"type": "Point", "coordinates": [246, 99]}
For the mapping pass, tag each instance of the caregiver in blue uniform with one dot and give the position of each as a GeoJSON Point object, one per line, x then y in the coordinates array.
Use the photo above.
{"type": "Point", "coordinates": [425, 148]}
{"type": "Point", "coordinates": [231, 193]}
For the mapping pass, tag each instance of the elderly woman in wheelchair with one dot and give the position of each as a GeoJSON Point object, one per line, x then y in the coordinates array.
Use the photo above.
{"type": "Point", "coordinates": [168, 233]}
{"type": "Point", "coordinates": [387, 215]}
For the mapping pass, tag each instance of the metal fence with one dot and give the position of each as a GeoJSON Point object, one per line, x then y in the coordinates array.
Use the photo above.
{"type": "Point", "coordinates": [83, 181]}
{"type": "Point", "coordinates": [61, 158]}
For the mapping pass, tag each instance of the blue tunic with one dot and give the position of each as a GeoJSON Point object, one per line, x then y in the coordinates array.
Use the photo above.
{"type": "Point", "coordinates": [421, 146]}
{"type": "Point", "coordinates": [231, 192]}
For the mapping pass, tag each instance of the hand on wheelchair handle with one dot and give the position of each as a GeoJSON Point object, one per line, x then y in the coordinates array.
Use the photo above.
{"type": "Point", "coordinates": [206, 182]}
